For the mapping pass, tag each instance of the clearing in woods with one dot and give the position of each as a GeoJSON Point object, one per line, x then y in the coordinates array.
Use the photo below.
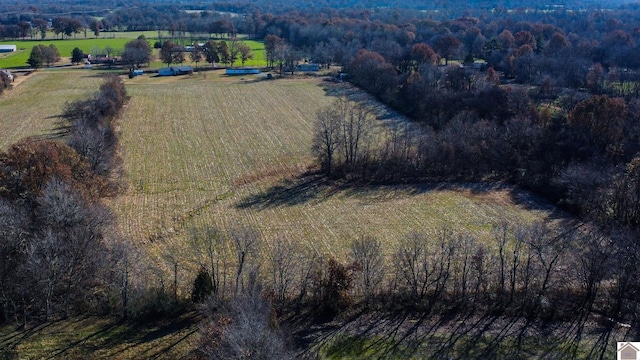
{"type": "Point", "coordinates": [31, 108]}
{"type": "Point", "coordinates": [211, 150]}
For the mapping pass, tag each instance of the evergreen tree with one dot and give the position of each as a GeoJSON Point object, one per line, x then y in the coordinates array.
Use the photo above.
{"type": "Point", "coordinates": [77, 56]}
{"type": "Point", "coordinates": [202, 286]}
{"type": "Point", "coordinates": [35, 59]}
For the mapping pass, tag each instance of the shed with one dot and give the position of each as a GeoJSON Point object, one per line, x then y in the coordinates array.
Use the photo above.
{"type": "Point", "coordinates": [309, 67]}
{"type": "Point", "coordinates": [242, 71]}
{"type": "Point", "coordinates": [175, 70]}
{"type": "Point", "coordinates": [7, 48]}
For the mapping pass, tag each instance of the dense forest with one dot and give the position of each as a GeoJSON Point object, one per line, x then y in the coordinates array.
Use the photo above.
{"type": "Point", "coordinates": [545, 98]}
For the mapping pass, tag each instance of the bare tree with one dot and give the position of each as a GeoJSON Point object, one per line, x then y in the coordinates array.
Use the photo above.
{"type": "Point", "coordinates": [209, 245]}
{"type": "Point", "coordinates": [241, 329]}
{"type": "Point", "coordinates": [285, 263]}
{"type": "Point", "coordinates": [245, 242]}
{"type": "Point", "coordinates": [357, 122]}
{"type": "Point", "coordinates": [412, 265]}
{"type": "Point", "coordinates": [366, 253]}
{"type": "Point", "coordinates": [547, 248]}
{"type": "Point", "coordinates": [71, 236]}
{"type": "Point", "coordinates": [466, 246]}
{"type": "Point", "coordinates": [326, 138]}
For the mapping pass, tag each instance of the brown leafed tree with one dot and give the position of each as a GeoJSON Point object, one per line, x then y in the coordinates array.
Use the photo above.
{"type": "Point", "coordinates": [422, 53]}
{"type": "Point", "coordinates": [603, 118]}
{"type": "Point", "coordinates": [31, 163]}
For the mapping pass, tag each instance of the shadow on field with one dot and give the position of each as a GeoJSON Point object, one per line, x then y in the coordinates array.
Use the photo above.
{"type": "Point", "coordinates": [312, 186]}
{"type": "Point", "coordinates": [78, 337]}
{"type": "Point", "coordinates": [291, 192]}
{"type": "Point", "coordinates": [450, 335]}
{"type": "Point", "coordinates": [380, 110]}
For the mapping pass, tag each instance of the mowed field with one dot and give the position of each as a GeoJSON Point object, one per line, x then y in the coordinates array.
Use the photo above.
{"type": "Point", "coordinates": [116, 41]}
{"type": "Point", "coordinates": [211, 150]}
{"type": "Point", "coordinates": [31, 108]}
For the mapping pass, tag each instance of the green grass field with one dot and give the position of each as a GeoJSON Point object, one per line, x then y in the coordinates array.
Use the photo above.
{"type": "Point", "coordinates": [20, 57]}
{"type": "Point", "coordinates": [114, 40]}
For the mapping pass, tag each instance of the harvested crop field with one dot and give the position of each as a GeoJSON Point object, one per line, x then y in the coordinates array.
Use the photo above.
{"type": "Point", "coordinates": [200, 152]}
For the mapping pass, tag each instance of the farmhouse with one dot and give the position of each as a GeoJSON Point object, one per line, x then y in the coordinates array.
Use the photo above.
{"type": "Point", "coordinates": [7, 48]}
{"type": "Point", "coordinates": [175, 70]}
{"type": "Point", "coordinates": [242, 71]}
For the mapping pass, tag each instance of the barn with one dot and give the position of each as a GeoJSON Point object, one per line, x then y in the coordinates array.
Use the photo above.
{"type": "Point", "coordinates": [7, 48]}
{"type": "Point", "coordinates": [242, 71]}
{"type": "Point", "coordinates": [175, 70]}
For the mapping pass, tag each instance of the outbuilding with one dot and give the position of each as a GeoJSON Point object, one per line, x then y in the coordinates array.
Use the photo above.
{"type": "Point", "coordinates": [7, 48]}
{"type": "Point", "coordinates": [175, 70]}
{"type": "Point", "coordinates": [242, 71]}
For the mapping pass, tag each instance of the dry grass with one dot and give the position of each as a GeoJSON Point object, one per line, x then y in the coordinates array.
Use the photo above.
{"type": "Point", "coordinates": [31, 109]}
{"type": "Point", "coordinates": [212, 150]}
{"type": "Point", "coordinates": [209, 150]}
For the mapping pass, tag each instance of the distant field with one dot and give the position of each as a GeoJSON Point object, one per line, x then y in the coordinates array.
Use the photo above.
{"type": "Point", "coordinates": [30, 108]}
{"type": "Point", "coordinates": [218, 151]}
{"type": "Point", "coordinates": [20, 57]}
{"type": "Point", "coordinates": [113, 40]}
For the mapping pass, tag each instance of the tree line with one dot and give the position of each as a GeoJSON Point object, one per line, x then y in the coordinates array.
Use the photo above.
{"type": "Point", "coordinates": [58, 244]}
{"type": "Point", "coordinates": [583, 159]}
{"type": "Point", "coordinates": [518, 272]}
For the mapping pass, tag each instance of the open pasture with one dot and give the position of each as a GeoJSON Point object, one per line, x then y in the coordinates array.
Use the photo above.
{"type": "Point", "coordinates": [19, 58]}
{"type": "Point", "coordinates": [211, 150]}
{"type": "Point", "coordinates": [31, 108]}
{"type": "Point", "coordinates": [114, 40]}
